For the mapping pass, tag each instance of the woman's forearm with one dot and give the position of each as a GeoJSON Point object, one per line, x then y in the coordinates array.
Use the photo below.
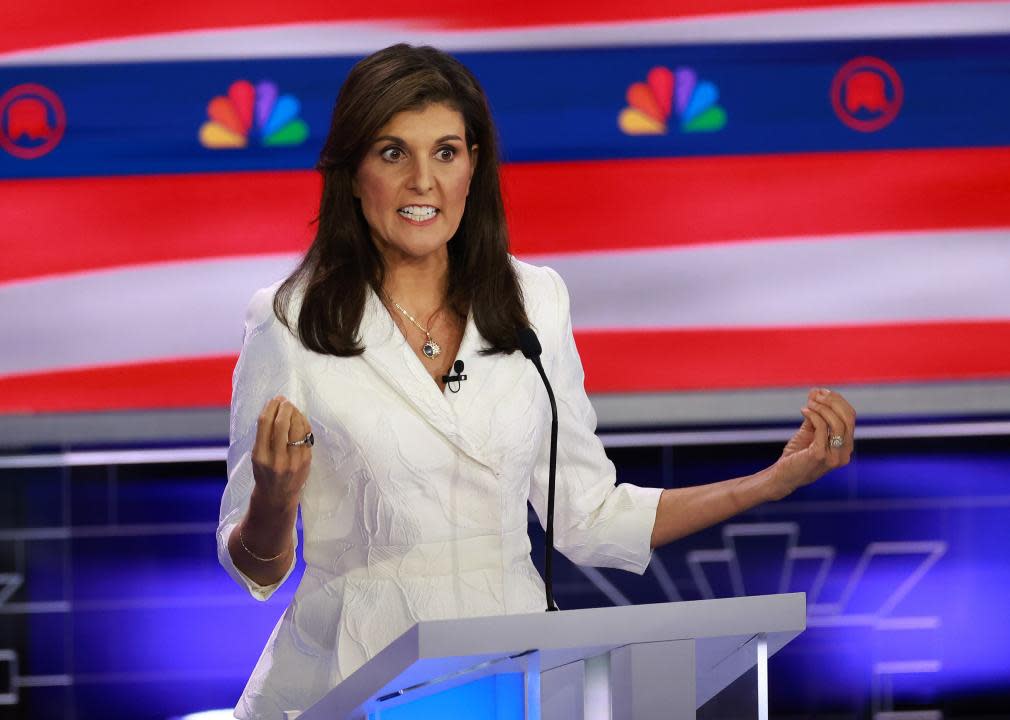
{"type": "Point", "coordinates": [266, 531]}
{"type": "Point", "coordinates": [683, 511]}
{"type": "Point", "coordinates": [822, 442]}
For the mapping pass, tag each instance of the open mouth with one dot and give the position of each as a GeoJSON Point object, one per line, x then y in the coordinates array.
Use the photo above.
{"type": "Point", "coordinates": [418, 213]}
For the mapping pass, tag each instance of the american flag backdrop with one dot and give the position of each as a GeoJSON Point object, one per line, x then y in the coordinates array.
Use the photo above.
{"type": "Point", "coordinates": [739, 193]}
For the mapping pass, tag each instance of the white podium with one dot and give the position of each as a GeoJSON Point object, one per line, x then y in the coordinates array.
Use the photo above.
{"type": "Point", "coordinates": [637, 662]}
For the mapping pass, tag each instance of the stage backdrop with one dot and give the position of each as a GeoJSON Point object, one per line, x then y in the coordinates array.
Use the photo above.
{"type": "Point", "coordinates": [739, 193]}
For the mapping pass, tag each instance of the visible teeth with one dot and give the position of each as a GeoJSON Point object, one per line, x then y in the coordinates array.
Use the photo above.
{"type": "Point", "coordinates": [418, 212]}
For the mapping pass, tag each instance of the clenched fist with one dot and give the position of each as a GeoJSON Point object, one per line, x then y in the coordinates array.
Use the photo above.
{"type": "Point", "coordinates": [279, 468]}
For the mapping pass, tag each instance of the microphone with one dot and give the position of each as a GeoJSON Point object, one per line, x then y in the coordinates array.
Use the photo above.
{"type": "Point", "coordinates": [457, 367]}
{"type": "Point", "coordinates": [529, 345]}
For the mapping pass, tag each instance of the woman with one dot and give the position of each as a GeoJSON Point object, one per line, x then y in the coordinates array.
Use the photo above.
{"type": "Point", "coordinates": [413, 499]}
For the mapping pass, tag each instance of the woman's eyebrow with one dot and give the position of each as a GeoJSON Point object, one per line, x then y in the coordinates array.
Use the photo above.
{"type": "Point", "coordinates": [401, 141]}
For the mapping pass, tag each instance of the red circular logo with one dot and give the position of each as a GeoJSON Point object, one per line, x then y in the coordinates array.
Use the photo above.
{"type": "Point", "coordinates": [32, 121]}
{"type": "Point", "coordinates": [867, 94]}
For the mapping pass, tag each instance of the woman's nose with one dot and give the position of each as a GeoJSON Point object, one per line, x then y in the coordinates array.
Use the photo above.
{"type": "Point", "coordinates": [421, 176]}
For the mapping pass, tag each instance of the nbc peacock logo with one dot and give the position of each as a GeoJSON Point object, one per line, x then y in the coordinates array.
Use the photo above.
{"type": "Point", "coordinates": [250, 114]}
{"type": "Point", "coordinates": [665, 92]}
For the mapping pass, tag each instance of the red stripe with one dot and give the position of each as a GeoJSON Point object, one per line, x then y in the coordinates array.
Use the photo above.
{"type": "Point", "coordinates": [32, 25]}
{"type": "Point", "coordinates": [554, 207]}
{"type": "Point", "coordinates": [89, 223]}
{"type": "Point", "coordinates": [660, 360]}
{"type": "Point", "coordinates": [171, 384]}
{"type": "Point", "coordinates": [570, 207]}
{"type": "Point", "coordinates": [655, 361]}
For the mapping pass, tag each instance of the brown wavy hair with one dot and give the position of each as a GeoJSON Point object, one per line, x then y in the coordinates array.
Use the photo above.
{"type": "Point", "coordinates": [343, 262]}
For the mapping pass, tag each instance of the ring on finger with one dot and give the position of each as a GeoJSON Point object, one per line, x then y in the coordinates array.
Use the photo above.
{"type": "Point", "coordinates": [836, 441]}
{"type": "Point", "coordinates": [309, 440]}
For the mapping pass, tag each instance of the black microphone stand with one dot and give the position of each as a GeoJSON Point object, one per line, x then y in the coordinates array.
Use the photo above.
{"type": "Point", "coordinates": [529, 344]}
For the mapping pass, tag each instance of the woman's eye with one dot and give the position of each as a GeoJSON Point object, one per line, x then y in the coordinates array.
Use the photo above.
{"type": "Point", "coordinates": [392, 154]}
{"type": "Point", "coordinates": [446, 153]}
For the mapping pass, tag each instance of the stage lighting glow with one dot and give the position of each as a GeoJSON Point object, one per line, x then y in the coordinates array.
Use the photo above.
{"type": "Point", "coordinates": [223, 714]}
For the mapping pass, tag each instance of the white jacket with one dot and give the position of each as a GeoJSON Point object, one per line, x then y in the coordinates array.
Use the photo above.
{"type": "Point", "coordinates": [415, 505]}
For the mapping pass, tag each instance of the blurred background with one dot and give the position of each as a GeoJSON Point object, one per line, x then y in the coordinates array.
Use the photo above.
{"type": "Point", "coordinates": [746, 198]}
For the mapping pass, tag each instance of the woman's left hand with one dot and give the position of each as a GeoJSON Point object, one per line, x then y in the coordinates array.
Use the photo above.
{"type": "Point", "coordinates": [810, 452]}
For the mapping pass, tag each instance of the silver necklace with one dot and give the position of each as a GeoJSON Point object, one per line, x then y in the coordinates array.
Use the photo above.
{"type": "Point", "coordinates": [430, 348]}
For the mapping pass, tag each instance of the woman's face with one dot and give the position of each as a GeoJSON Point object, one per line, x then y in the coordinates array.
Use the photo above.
{"type": "Point", "coordinates": [414, 180]}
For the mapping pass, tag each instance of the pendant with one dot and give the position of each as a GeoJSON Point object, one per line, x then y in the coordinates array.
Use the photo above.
{"type": "Point", "coordinates": [431, 349]}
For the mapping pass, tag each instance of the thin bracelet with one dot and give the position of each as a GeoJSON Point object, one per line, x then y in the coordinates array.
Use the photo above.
{"type": "Point", "coordinates": [254, 555]}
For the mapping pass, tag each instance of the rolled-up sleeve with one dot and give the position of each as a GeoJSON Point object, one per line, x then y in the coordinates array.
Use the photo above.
{"type": "Point", "coordinates": [596, 521]}
{"type": "Point", "coordinates": [264, 370]}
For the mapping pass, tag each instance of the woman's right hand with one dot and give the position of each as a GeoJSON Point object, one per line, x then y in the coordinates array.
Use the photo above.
{"type": "Point", "coordinates": [280, 470]}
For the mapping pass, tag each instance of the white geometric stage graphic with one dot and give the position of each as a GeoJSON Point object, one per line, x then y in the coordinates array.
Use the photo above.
{"type": "Point", "coordinates": [9, 584]}
{"type": "Point", "coordinates": [763, 558]}
{"type": "Point", "coordinates": [9, 660]}
{"type": "Point", "coordinates": [11, 680]}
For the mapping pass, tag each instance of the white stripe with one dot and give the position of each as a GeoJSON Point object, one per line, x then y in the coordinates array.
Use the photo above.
{"type": "Point", "coordinates": [741, 437]}
{"type": "Point", "coordinates": [132, 314]}
{"type": "Point", "coordinates": [191, 309]}
{"type": "Point", "coordinates": [358, 38]}
{"type": "Point", "coordinates": [81, 458]}
{"type": "Point", "coordinates": [873, 278]}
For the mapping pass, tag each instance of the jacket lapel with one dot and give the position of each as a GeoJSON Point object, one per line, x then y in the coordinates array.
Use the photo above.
{"type": "Point", "coordinates": [485, 374]}
{"type": "Point", "coordinates": [389, 355]}
{"type": "Point", "coordinates": [492, 387]}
